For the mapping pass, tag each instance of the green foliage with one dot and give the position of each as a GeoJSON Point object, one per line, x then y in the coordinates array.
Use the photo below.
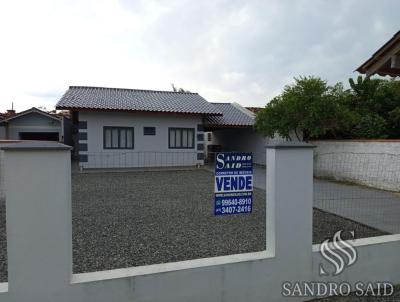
{"type": "Point", "coordinates": [370, 125]}
{"type": "Point", "coordinates": [369, 109]}
{"type": "Point", "coordinates": [309, 106]}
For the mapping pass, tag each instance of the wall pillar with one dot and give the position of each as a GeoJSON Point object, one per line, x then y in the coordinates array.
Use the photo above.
{"type": "Point", "coordinates": [39, 227]}
{"type": "Point", "coordinates": [289, 192]}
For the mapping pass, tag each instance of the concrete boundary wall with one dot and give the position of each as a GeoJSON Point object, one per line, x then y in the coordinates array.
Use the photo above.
{"type": "Point", "coordinates": [374, 163]}
{"type": "Point", "coordinates": [38, 199]}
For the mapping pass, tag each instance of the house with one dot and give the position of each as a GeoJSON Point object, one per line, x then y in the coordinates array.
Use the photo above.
{"type": "Point", "coordinates": [385, 61]}
{"type": "Point", "coordinates": [34, 124]}
{"type": "Point", "coordinates": [136, 128]}
{"type": "Point", "coordinates": [118, 128]}
{"type": "Point", "coordinates": [233, 131]}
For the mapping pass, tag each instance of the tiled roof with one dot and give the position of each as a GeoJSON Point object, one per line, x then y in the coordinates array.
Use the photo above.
{"type": "Point", "coordinates": [234, 115]}
{"type": "Point", "coordinates": [100, 98]}
{"type": "Point", "coordinates": [32, 110]}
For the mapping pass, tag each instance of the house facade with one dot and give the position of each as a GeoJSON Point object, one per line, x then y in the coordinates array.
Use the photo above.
{"type": "Point", "coordinates": [124, 128]}
{"type": "Point", "coordinates": [124, 139]}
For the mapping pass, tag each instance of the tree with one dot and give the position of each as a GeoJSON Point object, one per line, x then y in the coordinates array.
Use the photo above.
{"type": "Point", "coordinates": [375, 105]}
{"type": "Point", "coordinates": [309, 106]}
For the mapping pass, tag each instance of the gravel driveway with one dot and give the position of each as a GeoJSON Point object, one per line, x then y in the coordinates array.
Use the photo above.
{"type": "Point", "coordinates": [130, 219]}
{"type": "Point", "coordinates": [136, 218]}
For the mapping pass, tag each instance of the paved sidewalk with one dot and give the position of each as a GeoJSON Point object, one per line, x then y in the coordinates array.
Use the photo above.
{"type": "Point", "coordinates": [375, 208]}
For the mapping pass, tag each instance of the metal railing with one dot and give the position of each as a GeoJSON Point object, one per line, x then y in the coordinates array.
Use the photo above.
{"type": "Point", "coordinates": [141, 159]}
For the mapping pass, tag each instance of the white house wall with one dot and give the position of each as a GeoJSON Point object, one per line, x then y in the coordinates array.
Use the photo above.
{"type": "Point", "coordinates": [246, 140]}
{"type": "Point", "coordinates": [149, 150]}
{"type": "Point", "coordinates": [241, 140]}
{"type": "Point", "coordinates": [33, 122]}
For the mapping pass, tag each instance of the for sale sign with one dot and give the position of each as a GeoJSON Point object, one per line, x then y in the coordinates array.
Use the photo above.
{"type": "Point", "coordinates": [233, 185]}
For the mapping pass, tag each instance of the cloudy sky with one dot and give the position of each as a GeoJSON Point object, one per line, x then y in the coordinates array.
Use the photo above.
{"type": "Point", "coordinates": [233, 50]}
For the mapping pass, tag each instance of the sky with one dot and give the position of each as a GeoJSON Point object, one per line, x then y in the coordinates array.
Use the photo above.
{"type": "Point", "coordinates": [241, 51]}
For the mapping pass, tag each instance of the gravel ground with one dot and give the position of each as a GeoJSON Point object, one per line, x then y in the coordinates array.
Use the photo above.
{"type": "Point", "coordinates": [136, 218]}
{"type": "Point", "coordinates": [131, 219]}
{"type": "Point", "coordinates": [325, 225]}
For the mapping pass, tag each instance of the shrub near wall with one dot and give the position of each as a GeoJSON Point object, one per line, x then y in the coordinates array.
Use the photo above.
{"type": "Point", "coordinates": [373, 163]}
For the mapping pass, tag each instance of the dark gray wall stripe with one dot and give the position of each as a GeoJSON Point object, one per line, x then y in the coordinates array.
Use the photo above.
{"type": "Point", "coordinates": [83, 158]}
{"type": "Point", "coordinates": [82, 125]}
{"type": "Point", "coordinates": [200, 137]}
{"type": "Point", "coordinates": [82, 136]}
{"type": "Point", "coordinates": [200, 156]}
{"type": "Point", "coordinates": [200, 147]}
{"type": "Point", "coordinates": [200, 127]}
{"type": "Point", "coordinates": [83, 147]}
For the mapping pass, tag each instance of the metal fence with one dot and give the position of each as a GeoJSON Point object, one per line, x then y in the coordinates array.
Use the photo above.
{"type": "Point", "coordinates": [146, 216]}
{"type": "Point", "coordinates": [362, 190]}
{"type": "Point", "coordinates": [141, 159]}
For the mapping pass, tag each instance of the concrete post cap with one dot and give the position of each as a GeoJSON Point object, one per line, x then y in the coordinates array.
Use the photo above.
{"type": "Point", "coordinates": [33, 145]}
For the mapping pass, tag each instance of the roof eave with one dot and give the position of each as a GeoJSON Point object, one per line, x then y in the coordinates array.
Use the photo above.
{"type": "Point", "coordinates": [29, 111]}
{"type": "Point", "coordinates": [138, 111]}
{"type": "Point", "coordinates": [225, 126]}
{"type": "Point", "coordinates": [377, 55]}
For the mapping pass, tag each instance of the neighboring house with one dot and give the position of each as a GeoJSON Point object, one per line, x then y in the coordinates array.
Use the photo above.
{"type": "Point", "coordinates": [385, 61]}
{"type": "Point", "coordinates": [33, 124]}
{"type": "Point", "coordinates": [135, 128]}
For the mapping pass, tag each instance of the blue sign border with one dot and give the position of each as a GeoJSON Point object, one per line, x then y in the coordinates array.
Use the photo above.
{"type": "Point", "coordinates": [233, 202]}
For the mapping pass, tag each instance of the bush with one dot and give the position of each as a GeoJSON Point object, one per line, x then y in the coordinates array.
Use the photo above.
{"type": "Point", "coordinates": [369, 109]}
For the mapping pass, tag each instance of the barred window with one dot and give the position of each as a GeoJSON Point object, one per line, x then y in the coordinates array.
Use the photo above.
{"type": "Point", "coordinates": [118, 137]}
{"type": "Point", "coordinates": [181, 138]}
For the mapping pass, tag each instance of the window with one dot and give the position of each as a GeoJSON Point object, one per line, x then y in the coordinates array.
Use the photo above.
{"type": "Point", "coordinates": [209, 137]}
{"type": "Point", "coordinates": [181, 138]}
{"type": "Point", "coordinates": [118, 137]}
{"type": "Point", "coordinates": [149, 131]}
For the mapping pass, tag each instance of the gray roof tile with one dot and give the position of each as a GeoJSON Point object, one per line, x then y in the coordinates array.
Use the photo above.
{"type": "Point", "coordinates": [232, 116]}
{"type": "Point", "coordinates": [100, 98]}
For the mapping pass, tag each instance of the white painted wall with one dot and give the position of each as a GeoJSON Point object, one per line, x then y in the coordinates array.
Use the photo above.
{"type": "Point", "coordinates": [149, 151]}
{"type": "Point", "coordinates": [241, 140]}
{"type": "Point", "coordinates": [41, 179]}
{"type": "Point", "coordinates": [371, 163]}
{"type": "Point", "coordinates": [245, 140]}
{"type": "Point", "coordinates": [33, 122]}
